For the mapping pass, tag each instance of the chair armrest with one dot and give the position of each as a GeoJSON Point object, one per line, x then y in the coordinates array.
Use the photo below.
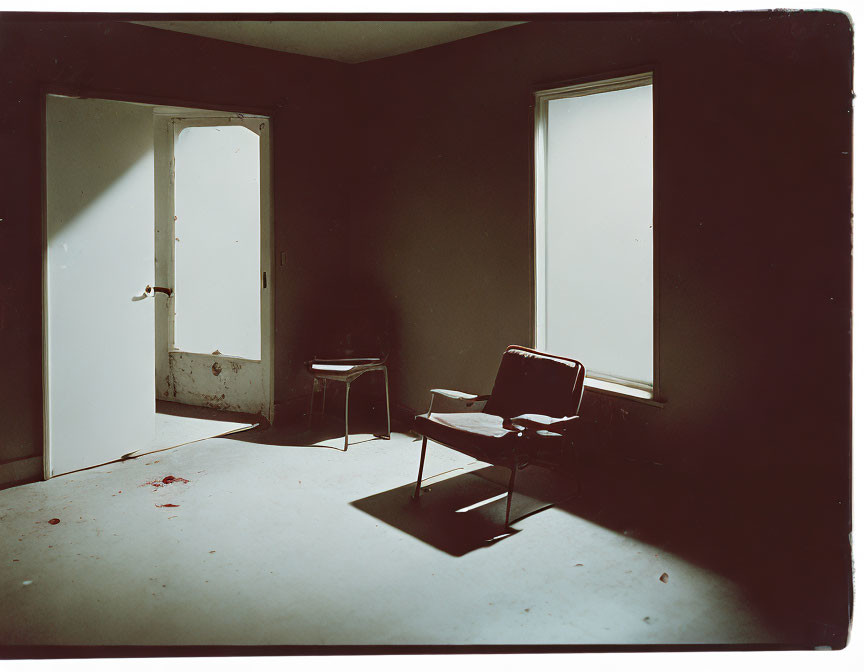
{"type": "Point", "coordinates": [464, 396]}
{"type": "Point", "coordinates": [536, 421]}
{"type": "Point", "coordinates": [469, 399]}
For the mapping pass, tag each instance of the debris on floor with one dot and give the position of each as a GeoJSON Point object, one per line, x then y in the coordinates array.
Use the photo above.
{"type": "Point", "coordinates": [165, 506]}
{"type": "Point", "coordinates": [53, 521]}
{"type": "Point", "coordinates": [664, 577]}
{"type": "Point", "coordinates": [168, 480]}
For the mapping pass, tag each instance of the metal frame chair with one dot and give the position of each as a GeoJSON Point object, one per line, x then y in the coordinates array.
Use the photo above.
{"type": "Point", "coordinates": [346, 371]}
{"type": "Point", "coordinates": [534, 403]}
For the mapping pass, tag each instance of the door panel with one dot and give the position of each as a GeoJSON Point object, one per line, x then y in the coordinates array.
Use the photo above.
{"type": "Point", "coordinates": [226, 383]}
{"type": "Point", "coordinates": [99, 328]}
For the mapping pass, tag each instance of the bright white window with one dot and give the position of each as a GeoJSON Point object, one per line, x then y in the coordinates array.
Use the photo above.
{"type": "Point", "coordinates": [217, 248]}
{"type": "Point", "coordinates": [594, 230]}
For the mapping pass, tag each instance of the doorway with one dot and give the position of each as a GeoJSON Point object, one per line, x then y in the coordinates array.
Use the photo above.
{"type": "Point", "coordinates": [108, 278]}
{"type": "Point", "coordinates": [213, 336]}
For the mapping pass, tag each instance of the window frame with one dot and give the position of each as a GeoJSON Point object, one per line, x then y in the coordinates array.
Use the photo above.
{"type": "Point", "coordinates": [595, 381]}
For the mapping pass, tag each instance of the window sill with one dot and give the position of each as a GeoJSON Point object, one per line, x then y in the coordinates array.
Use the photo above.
{"type": "Point", "coordinates": [622, 391]}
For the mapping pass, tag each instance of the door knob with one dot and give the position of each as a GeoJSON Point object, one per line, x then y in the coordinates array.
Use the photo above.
{"type": "Point", "coordinates": [151, 291]}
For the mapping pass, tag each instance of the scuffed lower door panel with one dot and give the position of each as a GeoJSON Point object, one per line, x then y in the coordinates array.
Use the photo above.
{"type": "Point", "coordinates": [215, 381]}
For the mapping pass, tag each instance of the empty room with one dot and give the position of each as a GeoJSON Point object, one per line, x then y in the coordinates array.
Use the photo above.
{"type": "Point", "coordinates": [425, 333]}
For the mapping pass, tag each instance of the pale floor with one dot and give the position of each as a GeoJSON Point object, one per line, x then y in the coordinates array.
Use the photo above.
{"type": "Point", "coordinates": [177, 430]}
{"type": "Point", "coordinates": [277, 544]}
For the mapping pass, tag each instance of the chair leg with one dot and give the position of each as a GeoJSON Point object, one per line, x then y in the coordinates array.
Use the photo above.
{"type": "Point", "coordinates": [387, 400]}
{"type": "Point", "coordinates": [347, 392]}
{"type": "Point", "coordinates": [324, 398]}
{"type": "Point", "coordinates": [420, 473]}
{"type": "Point", "coordinates": [510, 493]}
{"type": "Point", "coordinates": [312, 401]}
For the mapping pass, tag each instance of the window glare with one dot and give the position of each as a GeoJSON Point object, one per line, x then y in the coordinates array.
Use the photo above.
{"type": "Point", "coordinates": [217, 245]}
{"type": "Point", "coordinates": [598, 239]}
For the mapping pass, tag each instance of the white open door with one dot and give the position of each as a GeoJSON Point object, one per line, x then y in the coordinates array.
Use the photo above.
{"type": "Point", "coordinates": [99, 326]}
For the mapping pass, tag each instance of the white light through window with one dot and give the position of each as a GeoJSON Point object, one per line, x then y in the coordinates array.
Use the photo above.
{"type": "Point", "coordinates": [595, 229]}
{"type": "Point", "coordinates": [217, 247]}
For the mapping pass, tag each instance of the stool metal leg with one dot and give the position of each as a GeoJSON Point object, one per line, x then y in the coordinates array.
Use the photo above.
{"type": "Point", "coordinates": [347, 391]}
{"type": "Point", "coordinates": [312, 401]}
{"type": "Point", "coordinates": [420, 473]}
{"type": "Point", "coordinates": [387, 401]}
{"type": "Point", "coordinates": [324, 398]}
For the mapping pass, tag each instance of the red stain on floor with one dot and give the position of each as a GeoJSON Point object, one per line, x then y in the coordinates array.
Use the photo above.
{"type": "Point", "coordinates": [53, 521]}
{"type": "Point", "coordinates": [168, 480]}
{"type": "Point", "coordinates": [165, 506]}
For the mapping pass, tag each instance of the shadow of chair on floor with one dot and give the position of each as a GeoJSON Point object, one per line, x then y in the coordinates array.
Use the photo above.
{"type": "Point", "coordinates": [461, 510]}
{"type": "Point", "coordinates": [329, 434]}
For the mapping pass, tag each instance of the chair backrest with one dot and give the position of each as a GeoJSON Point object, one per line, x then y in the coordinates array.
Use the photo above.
{"type": "Point", "coordinates": [529, 381]}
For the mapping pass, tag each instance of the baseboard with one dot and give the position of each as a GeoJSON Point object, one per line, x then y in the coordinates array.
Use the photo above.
{"type": "Point", "coordinates": [20, 471]}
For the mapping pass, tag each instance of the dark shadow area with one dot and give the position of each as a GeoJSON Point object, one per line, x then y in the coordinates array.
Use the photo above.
{"type": "Point", "coordinates": [330, 429]}
{"type": "Point", "coordinates": [759, 529]}
{"type": "Point", "coordinates": [206, 413]}
{"type": "Point", "coordinates": [435, 518]}
{"type": "Point", "coordinates": [357, 321]}
{"type": "Point", "coordinates": [440, 519]}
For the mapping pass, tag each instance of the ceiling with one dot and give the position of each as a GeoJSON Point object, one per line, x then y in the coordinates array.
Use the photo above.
{"type": "Point", "coordinates": [345, 41]}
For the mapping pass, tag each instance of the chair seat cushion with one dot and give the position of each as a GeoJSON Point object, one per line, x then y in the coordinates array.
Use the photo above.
{"type": "Point", "coordinates": [481, 435]}
{"type": "Point", "coordinates": [484, 424]}
{"type": "Point", "coordinates": [332, 367]}
{"type": "Point", "coordinates": [344, 369]}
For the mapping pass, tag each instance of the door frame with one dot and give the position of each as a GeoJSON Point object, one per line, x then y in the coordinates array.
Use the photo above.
{"type": "Point", "coordinates": [60, 89]}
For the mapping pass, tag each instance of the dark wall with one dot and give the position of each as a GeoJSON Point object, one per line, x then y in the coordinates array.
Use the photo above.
{"type": "Point", "coordinates": [752, 234]}
{"type": "Point", "coordinates": [752, 142]}
{"type": "Point", "coordinates": [310, 196]}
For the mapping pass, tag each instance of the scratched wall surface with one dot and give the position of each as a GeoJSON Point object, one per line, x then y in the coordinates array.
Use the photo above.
{"type": "Point", "coordinates": [305, 97]}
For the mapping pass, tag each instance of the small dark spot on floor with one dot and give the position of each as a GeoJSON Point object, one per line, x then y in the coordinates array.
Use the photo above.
{"type": "Point", "coordinates": [53, 521]}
